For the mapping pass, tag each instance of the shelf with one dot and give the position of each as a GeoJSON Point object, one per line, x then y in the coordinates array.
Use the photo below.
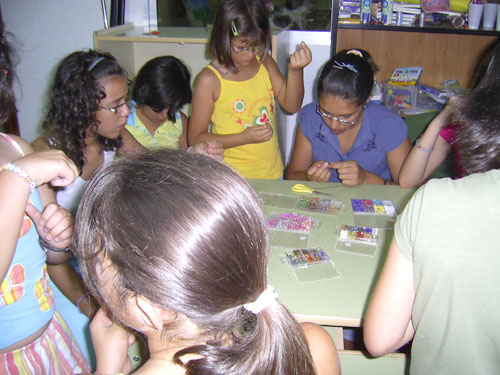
{"type": "Point", "coordinates": [424, 29]}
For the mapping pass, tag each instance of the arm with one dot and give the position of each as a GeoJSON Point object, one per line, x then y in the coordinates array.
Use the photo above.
{"type": "Point", "coordinates": [129, 144]}
{"type": "Point", "coordinates": [206, 92]}
{"type": "Point", "coordinates": [350, 173]}
{"type": "Point", "coordinates": [289, 92]}
{"type": "Point", "coordinates": [183, 145]}
{"type": "Point", "coordinates": [49, 166]}
{"type": "Point", "coordinates": [71, 285]}
{"type": "Point", "coordinates": [111, 343]}
{"type": "Point", "coordinates": [322, 348]}
{"type": "Point", "coordinates": [419, 164]}
{"type": "Point", "coordinates": [301, 165]}
{"type": "Point", "coordinates": [387, 324]}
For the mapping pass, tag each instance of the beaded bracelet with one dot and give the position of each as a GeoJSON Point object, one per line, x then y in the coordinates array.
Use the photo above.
{"type": "Point", "coordinates": [48, 246]}
{"type": "Point", "coordinates": [421, 148]}
{"type": "Point", "coordinates": [102, 373]}
{"type": "Point", "coordinates": [20, 173]}
{"type": "Point", "coordinates": [80, 300]}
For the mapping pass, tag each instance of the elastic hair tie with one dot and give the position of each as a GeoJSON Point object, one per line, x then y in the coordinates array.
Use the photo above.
{"type": "Point", "coordinates": [354, 52]}
{"type": "Point", "coordinates": [265, 298]}
{"type": "Point", "coordinates": [93, 65]}
{"type": "Point", "coordinates": [234, 29]}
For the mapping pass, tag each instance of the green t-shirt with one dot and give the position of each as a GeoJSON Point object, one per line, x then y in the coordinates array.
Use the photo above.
{"type": "Point", "coordinates": [450, 232]}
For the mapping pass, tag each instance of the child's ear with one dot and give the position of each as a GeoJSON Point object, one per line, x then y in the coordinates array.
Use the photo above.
{"type": "Point", "coordinates": [153, 316]}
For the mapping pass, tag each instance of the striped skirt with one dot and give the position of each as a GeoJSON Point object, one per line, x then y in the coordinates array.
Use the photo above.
{"type": "Point", "coordinates": [55, 352]}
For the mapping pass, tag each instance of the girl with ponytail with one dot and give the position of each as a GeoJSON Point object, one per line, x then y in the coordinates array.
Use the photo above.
{"type": "Point", "coordinates": [185, 266]}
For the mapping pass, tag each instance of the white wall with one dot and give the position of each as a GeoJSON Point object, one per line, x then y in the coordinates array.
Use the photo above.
{"type": "Point", "coordinates": [44, 32]}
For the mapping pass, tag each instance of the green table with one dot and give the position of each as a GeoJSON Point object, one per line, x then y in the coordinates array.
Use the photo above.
{"type": "Point", "coordinates": [339, 302]}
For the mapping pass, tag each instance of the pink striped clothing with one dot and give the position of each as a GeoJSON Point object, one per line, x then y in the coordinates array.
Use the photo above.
{"type": "Point", "coordinates": [55, 352]}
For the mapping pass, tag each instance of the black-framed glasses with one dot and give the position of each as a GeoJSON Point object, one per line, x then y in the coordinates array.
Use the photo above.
{"type": "Point", "coordinates": [239, 50]}
{"type": "Point", "coordinates": [116, 108]}
{"type": "Point", "coordinates": [322, 113]}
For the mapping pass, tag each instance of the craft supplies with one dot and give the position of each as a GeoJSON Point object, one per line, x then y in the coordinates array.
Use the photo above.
{"type": "Point", "coordinates": [293, 222]}
{"type": "Point", "coordinates": [320, 205]}
{"type": "Point", "coordinates": [300, 188]}
{"type": "Point", "coordinates": [373, 213]}
{"type": "Point", "coordinates": [357, 239]}
{"type": "Point", "coordinates": [309, 264]}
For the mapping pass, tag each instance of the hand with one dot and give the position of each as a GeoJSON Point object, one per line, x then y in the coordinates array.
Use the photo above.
{"type": "Point", "coordinates": [111, 343]}
{"type": "Point", "coordinates": [213, 149]}
{"type": "Point", "coordinates": [319, 171]}
{"type": "Point", "coordinates": [300, 58]}
{"type": "Point", "coordinates": [54, 224]}
{"type": "Point", "coordinates": [445, 117]}
{"type": "Point", "coordinates": [350, 173]}
{"type": "Point", "coordinates": [258, 134]}
{"type": "Point", "coordinates": [48, 166]}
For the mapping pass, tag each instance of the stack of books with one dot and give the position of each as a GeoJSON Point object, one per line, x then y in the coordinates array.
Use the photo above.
{"type": "Point", "coordinates": [404, 14]}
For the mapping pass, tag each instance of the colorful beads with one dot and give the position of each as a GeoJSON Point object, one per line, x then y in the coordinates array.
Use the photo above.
{"type": "Point", "coordinates": [306, 257]}
{"type": "Point", "coordinates": [357, 233]}
{"type": "Point", "coordinates": [290, 221]}
{"type": "Point", "coordinates": [320, 205]}
{"type": "Point", "coordinates": [373, 206]}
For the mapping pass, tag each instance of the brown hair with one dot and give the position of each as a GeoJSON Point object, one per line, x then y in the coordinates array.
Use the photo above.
{"type": "Point", "coordinates": [188, 233]}
{"type": "Point", "coordinates": [478, 133]}
{"type": "Point", "coordinates": [251, 20]}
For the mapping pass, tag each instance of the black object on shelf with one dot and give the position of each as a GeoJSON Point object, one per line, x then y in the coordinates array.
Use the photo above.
{"type": "Point", "coordinates": [117, 12]}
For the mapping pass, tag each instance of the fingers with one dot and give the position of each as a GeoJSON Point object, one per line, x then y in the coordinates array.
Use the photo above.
{"type": "Point", "coordinates": [349, 172]}
{"type": "Point", "coordinates": [259, 134]}
{"type": "Point", "coordinates": [53, 224]}
{"type": "Point", "coordinates": [319, 171]}
{"type": "Point", "coordinates": [300, 58]}
{"type": "Point", "coordinates": [49, 166]}
{"type": "Point", "coordinates": [215, 150]}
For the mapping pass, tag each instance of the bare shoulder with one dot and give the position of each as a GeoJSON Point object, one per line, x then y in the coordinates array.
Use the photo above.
{"type": "Point", "coordinates": [25, 146]}
{"type": "Point", "coordinates": [323, 349]}
{"type": "Point", "coordinates": [269, 63]}
{"type": "Point", "coordinates": [206, 78]}
{"type": "Point", "coordinates": [9, 152]}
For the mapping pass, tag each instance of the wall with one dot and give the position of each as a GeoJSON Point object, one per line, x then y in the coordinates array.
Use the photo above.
{"type": "Point", "coordinates": [44, 32]}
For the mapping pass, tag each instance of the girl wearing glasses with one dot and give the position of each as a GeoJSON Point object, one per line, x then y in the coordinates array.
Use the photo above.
{"type": "Point", "coordinates": [237, 91]}
{"type": "Point", "coordinates": [86, 117]}
{"type": "Point", "coordinates": [343, 137]}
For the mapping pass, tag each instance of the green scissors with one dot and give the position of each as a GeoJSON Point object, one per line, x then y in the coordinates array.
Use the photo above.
{"type": "Point", "coordinates": [299, 188]}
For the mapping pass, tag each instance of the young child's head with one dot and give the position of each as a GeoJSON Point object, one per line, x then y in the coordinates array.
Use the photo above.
{"type": "Point", "coordinates": [163, 83]}
{"type": "Point", "coordinates": [88, 97]}
{"type": "Point", "coordinates": [347, 75]}
{"type": "Point", "coordinates": [478, 114]}
{"type": "Point", "coordinates": [187, 234]}
{"type": "Point", "coordinates": [239, 23]}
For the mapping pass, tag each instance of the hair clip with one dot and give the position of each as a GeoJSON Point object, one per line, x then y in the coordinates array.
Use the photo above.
{"type": "Point", "coordinates": [93, 65]}
{"type": "Point", "coordinates": [234, 29]}
{"type": "Point", "coordinates": [354, 52]}
{"type": "Point", "coordinates": [343, 65]}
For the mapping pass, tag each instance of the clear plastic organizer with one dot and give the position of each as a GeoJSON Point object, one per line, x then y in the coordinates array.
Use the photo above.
{"type": "Point", "coordinates": [292, 222]}
{"type": "Point", "coordinates": [311, 264]}
{"type": "Point", "coordinates": [374, 213]}
{"type": "Point", "coordinates": [320, 205]}
{"type": "Point", "coordinates": [278, 200]}
{"type": "Point", "coordinates": [357, 239]}
{"type": "Point", "coordinates": [310, 203]}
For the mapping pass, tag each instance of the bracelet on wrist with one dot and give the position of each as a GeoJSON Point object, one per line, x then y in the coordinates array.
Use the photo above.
{"type": "Point", "coordinates": [421, 148]}
{"type": "Point", "coordinates": [105, 373]}
{"type": "Point", "coordinates": [20, 173]}
{"type": "Point", "coordinates": [80, 300]}
{"type": "Point", "coordinates": [46, 246]}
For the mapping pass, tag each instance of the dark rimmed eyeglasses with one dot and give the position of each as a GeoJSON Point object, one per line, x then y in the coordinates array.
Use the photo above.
{"type": "Point", "coordinates": [116, 108]}
{"type": "Point", "coordinates": [322, 113]}
{"type": "Point", "coordinates": [239, 50]}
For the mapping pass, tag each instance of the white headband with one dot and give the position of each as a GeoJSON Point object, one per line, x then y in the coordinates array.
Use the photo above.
{"type": "Point", "coordinates": [265, 298]}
